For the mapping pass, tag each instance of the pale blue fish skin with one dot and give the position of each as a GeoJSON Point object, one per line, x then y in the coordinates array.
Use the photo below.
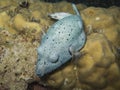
{"type": "Point", "coordinates": [54, 49]}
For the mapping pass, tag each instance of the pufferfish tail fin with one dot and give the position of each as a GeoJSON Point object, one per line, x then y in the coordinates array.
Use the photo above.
{"type": "Point", "coordinates": [75, 9]}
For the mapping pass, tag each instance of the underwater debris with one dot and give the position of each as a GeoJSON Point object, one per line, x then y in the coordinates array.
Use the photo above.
{"type": "Point", "coordinates": [37, 86]}
{"type": "Point", "coordinates": [24, 4]}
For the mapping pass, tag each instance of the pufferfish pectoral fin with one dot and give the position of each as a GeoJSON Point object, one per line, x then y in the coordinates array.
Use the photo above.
{"type": "Point", "coordinates": [73, 52]}
{"type": "Point", "coordinates": [59, 15]}
{"type": "Point", "coordinates": [76, 55]}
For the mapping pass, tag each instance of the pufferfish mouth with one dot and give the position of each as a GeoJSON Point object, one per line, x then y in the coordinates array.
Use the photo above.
{"type": "Point", "coordinates": [40, 70]}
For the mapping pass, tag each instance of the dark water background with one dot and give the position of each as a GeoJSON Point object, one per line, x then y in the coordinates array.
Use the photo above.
{"type": "Point", "coordinates": [97, 3]}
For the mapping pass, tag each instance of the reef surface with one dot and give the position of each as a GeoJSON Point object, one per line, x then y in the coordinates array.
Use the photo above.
{"type": "Point", "coordinates": [21, 28]}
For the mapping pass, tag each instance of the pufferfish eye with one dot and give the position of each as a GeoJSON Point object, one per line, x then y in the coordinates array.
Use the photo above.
{"type": "Point", "coordinates": [54, 58]}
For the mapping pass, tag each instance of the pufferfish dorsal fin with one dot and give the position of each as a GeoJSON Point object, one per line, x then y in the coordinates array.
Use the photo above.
{"type": "Point", "coordinates": [59, 15]}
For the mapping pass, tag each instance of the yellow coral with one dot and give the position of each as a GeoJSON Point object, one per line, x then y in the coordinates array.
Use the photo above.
{"type": "Point", "coordinates": [103, 21]}
{"type": "Point", "coordinates": [97, 68]}
{"type": "Point", "coordinates": [20, 24]}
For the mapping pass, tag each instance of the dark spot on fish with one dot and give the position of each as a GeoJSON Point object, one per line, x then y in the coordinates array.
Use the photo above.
{"type": "Point", "coordinates": [44, 63]}
{"type": "Point", "coordinates": [82, 39]}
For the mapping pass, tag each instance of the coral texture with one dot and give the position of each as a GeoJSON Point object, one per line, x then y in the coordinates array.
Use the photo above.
{"type": "Point", "coordinates": [20, 31]}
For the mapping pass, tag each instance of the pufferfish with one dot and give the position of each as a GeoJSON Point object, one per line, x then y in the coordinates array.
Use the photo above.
{"type": "Point", "coordinates": [63, 39]}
